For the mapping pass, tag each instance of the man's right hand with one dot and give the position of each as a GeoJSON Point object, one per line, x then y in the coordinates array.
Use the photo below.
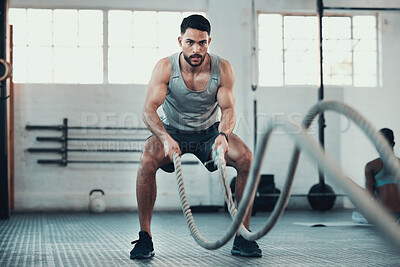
{"type": "Point", "coordinates": [170, 146]}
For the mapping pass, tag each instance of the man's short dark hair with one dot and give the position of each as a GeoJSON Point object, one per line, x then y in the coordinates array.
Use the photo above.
{"type": "Point", "coordinates": [197, 22]}
{"type": "Point", "coordinates": [388, 134]}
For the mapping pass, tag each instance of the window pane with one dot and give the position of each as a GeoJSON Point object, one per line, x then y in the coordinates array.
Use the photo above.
{"type": "Point", "coordinates": [301, 50]}
{"type": "Point", "coordinates": [365, 45]}
{"type": "Point", "coordinates": [120, 65]}
{"type": "Point", "coordinates": [300, 27]}
{"type": "Point", "coordinates": [269, 43]}
{"type": "Point", "coordinates": [65, 27]}
{"type": "Point", "coordinates": [90, 28]}
{"type": "Point", "coordinates": [120, 28]}
{"type": "Point", "coordinates": [144, 29]}
{"type": "Point", "coordinates": [336, 27]}
{"type": "Point", "coordinates": [364, 21]}
{"type": "Point", "coordinates": [364, 32]}
{"type": "Point", "coordinates": [168, 29]}
{"type": "Point", "coordinates": [270, 21]}
{"type": "Point", "coordinates": [65, 70]}
{"type": "Point", "coordinates": [144, 60]}
{"type": "Point", "coordinates": [364, 63]}
{"type": "Point", "coordinates": [40, 64]}
{"type": "Point", "coordinates": [90, 65]}
{"type": "Point", "coordinates": [270, 68]}
{"type": "Point", "coordinates": [20, 64]}
{"type": "Point", "coordinates": [40, 28]}
{"type": "Point", "coordinates": [17, 18]}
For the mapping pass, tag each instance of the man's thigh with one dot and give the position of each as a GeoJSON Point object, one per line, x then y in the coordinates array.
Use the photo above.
{"type": "Point", "coordinates": [237, 150]}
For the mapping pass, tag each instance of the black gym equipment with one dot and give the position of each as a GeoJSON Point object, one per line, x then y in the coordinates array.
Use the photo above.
{"type": "Point", "coordinates": [320, 198]}
{"type": "Point", "coordinates": [266, 195]}
{"type": "Point", "coordinates": [321, 203]}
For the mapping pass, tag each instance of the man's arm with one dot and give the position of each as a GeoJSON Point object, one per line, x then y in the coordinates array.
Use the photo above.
{"type": "Point", "coordinates": [155, 95]}
{"type": "Point", "coordinates": [226, 101]}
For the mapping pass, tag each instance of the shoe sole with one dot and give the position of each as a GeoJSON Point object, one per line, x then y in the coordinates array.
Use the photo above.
{"type": "Point", "coordinates": [143, 257]}
{"type": "Point", "coordinates": [246, 254]}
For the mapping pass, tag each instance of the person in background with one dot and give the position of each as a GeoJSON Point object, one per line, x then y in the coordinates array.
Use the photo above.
{"type": "Point", "coordinates": [381, 184]}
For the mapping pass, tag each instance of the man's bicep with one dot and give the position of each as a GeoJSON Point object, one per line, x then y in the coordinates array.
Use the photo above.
{"type": "Point", "coordinates": [155, 94]}
{"type": "Point", "coordinates": [226, 96]}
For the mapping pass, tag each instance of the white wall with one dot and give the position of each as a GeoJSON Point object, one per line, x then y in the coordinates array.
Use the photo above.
{"type": "Point", "coordinates": [44, 187]}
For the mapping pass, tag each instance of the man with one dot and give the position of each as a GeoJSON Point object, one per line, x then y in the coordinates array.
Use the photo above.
{"type": "Point", "coordinates": [381, 184]}
{"type": "Point", "coordinates": [191, 86]}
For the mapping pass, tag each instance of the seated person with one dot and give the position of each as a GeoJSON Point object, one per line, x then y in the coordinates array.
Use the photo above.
{"type": "Point", "coordinates": [381, 184]}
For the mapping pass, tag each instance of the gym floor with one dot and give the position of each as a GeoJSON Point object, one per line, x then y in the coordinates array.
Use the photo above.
{"type": "Point", "coordinates": [85, 239]}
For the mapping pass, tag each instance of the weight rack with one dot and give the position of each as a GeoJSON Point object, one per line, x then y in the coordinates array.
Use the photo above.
{"type": "Point", "coordinates": [65, 150]}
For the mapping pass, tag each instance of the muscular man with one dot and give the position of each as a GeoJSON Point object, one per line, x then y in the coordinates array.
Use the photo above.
{"type": "Point", "coordinates": [380, 183]}
{"type": "Point", "coordinates": [192, 86]}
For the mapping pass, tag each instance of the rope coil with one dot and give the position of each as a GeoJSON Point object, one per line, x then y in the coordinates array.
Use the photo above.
{"type": "Point", "coordinates": [358, 196]}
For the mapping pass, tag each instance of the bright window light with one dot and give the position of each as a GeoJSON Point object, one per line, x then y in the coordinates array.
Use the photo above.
{"type": "Point", "coordinates": [137, 40]}
{"type": "Point", "coordinates": [57, 46]}
{"type": "Point", "coordinates": [288, 50]}
{"type": "Point", "coordinates": [67, 45]}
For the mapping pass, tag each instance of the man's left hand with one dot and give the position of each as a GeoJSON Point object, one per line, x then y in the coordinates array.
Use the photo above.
{"type": "Point", "coordinates": [221, 141]}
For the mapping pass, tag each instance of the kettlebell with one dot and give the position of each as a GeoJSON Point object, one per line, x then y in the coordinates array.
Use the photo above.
{"type": "Point", "coordinates": [97, 202]}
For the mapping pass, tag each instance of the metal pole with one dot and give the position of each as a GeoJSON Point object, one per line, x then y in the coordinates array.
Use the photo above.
{"type": "Point", "coordinates": [321, 119]}
{"type": "Point", "coordinates": [4, 187]}
{"type": "Point", "coordinates": [254, 67]}
{"type": "Point", "coordinates": [363, 8]}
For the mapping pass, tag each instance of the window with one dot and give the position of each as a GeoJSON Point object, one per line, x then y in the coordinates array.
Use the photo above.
{"type": "Point", "coordinates": [57, 46]}
{"type": "Point", "coordinates": [137, 40]}
{"type": "Point", "coordinates": [68, 46]}
{"type": "Point", "coordinates": [288, 50]}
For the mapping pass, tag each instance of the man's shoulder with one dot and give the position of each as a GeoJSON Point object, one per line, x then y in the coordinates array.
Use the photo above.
{"type": "Point", "coordinates": [227, 71]}
{"type": "Point", "coordinates": [162, 71]}
{"type": "Point", "coordinates": [164, 64]}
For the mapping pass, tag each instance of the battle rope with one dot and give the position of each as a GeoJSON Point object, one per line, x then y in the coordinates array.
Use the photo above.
{"type": "Point", "coordinates": [357, 195]}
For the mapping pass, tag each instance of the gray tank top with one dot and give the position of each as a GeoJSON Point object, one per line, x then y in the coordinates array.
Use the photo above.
{"type": "Point", "coordinates": [188, 110]}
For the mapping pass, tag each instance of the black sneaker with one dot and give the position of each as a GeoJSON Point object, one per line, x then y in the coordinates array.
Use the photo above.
{"type": "Point", "coordinates": [143, 248]}
{"type": "Point", "coordinates": [245, 248]}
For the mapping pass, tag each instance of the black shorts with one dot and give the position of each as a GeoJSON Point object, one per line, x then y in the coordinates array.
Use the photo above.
{"type": "Point", "coordinates": [198, 143]}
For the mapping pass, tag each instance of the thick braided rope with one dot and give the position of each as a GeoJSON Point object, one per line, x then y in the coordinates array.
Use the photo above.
{"type": "Point", "coordinates": [358, 196]}
{"type": "Point", "coordinates": [362, 200]}
{"type": "Point", "coordinates": [219, 161]}
{"type": "Point", "coordinates": [189, 217]}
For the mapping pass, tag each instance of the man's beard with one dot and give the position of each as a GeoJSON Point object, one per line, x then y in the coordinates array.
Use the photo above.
{"type": "Point", "coordinates": [187, 58]}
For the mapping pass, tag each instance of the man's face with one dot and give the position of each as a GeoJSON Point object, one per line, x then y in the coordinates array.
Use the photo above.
{"type": "Point", "coordinates": [194, 45]}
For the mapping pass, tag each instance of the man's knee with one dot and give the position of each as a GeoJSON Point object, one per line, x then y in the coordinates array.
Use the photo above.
{"type": "Point", "coordinates": [148, 164]}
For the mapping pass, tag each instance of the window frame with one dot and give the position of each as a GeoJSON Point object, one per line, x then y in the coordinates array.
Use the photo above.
{"type": "Point", "coordinates": [305, 14]}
